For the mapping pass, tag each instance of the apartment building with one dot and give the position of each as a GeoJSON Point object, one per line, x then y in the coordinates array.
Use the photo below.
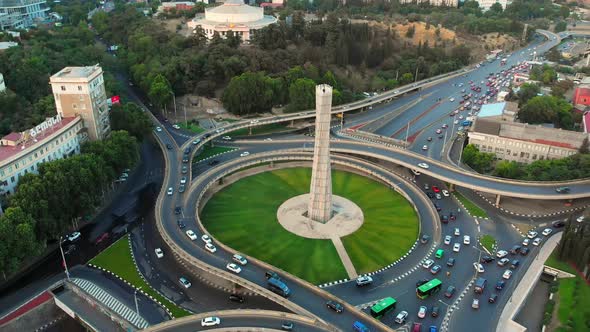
{"type": "Point", "coordinates": [22, 14]}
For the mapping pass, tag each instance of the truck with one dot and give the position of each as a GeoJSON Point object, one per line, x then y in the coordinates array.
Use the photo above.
{"type": "Point", "coordinates": [480, 285]}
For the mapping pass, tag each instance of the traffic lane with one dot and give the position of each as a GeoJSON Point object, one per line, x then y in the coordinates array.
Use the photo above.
{"type": "Point", "coordinates": [247, 322]}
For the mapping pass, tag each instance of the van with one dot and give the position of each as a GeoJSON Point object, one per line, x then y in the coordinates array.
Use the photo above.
{"type": "Point", "coordinates": [480, 285]}
{"type": "Point", "coordinates": [360, 327]}
{"type": "Point", "coordinates": [278, 287]}
{"type": "Point", "coordinates": [439, 253]}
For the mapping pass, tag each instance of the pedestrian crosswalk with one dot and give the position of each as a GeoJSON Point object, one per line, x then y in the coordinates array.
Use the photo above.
{"type": "Point", "coordinates": [111, 303]}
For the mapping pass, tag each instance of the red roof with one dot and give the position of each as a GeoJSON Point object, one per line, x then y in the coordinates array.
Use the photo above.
{"type": "Point", "coordinates": [12, 137]}
{"type": "Point", "coordinates": [586, 122]}
{"type": "Point", "coordinates": [581, 96]}
{"type": "Point", "coordinates": [9, 151]}
{"type": "Point", "coordinates": [545, 142]}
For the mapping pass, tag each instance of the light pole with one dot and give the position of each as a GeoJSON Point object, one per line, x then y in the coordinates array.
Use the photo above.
{"type": "Point", "coordinates": [63, 257]}
{"type": "Point", "coordinates": [407, 132]}
{"type": "Point", "coordinates": [174, 100]}
{"type": "Point", "coordinates": [184, 109]}
{"type": "Point", "coordinates": [135, 296]}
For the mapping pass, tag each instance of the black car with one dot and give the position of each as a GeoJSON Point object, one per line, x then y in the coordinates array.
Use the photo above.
{"type": "Point", "coordinates": [500, 284]}
{"type": "Point", "coordinates": [451, 262]}
{"type": "Point", "coordinates": [438, 208]}
{"type": "Point", "coordinates": [236, 298]}
{"type": "Point", "coordinates": [177, 210]}
{"type": "Point", "coordinates": [421, 282]}
{"type": "Point", "coordinates": [524, 251]}
{"type": "Point", "coordinates": [213, 162]}
{"type": "Point", "coordinates": [430, 195]}
{"type": "Point", "coordinates": [444, 219]}
{"type": "Point", "coordinates": [452, 216]}
{"type": "Point", "coordinates": [515, 250]}
{"type": "Point", "coordinates": [169, 146]}
{"type": "Point", "coordinates": [514, 264]}
{"type": "Point", "coordinates": [335, 306]}
{"type": "Point", "coordinates": [271, 274]}
{"type": "Point", "coordinates": [425, 238]}
{"type": "Point", "coordinates": [180, 224]}
{"type": "Point", "coordinates": [435, 311]}
{"type": "Point", "coordinates": [493, 298]}
{"type": "Point", "coordinates": [486, 259]}
{"type": "Point", "coordinates": [287, 326]}
{"type": "Point", "coordinates": [450, 291]}
{"type": "Point", "coordinates": [558, 223]}
{"type": "Point", "coordinates": [187, 150]}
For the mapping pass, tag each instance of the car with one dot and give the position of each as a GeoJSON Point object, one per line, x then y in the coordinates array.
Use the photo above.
{"type": "Point", "coordinates": [184, 169]}
{"type": "Point", "coordinates": [363, 281]}
{"type": "Point", "coordinates": [183, 180]}
{"type": "Point", "coordinates": [507, 274]}
{"type": "Point", "coordinates": [191, 235]}
{"type": "Point", "coordinates": [451, 262]}
{"type": "Point", "coordinates": [502, 253]}
{"type": "Point", "coordinates": [233, 268]}
{"type": "Point", "coordinates": [435, 311]}
{"type": "Point", "coordinates": [514, 250]}
{"type": "Point", "coordinates": [423, 165]}
{"type": "Point", "coordinates": [438, 131]}
{"type": "Point", "coordinates": [70, 249]}
{"type": "Point", "coordinates": [185, 159]}
{"type": "Point", "coordinates": [427, 263]}
{"type": "Point", "coordinates": [500, 284]}
{"type": "Point", "coordinates": [159, 253]}
{"type": "Point", "coordinates": [287, 326]}
{"type": "Point", "coordinates": [244, 154]}
{"type": "Point", "coordinates": [456, 122]}
{"type": "Point", "coordinates": [401, 317]}
{"type": "Point", "coordinates": [475, 304]}
{"type": "Point", "coordinates": [178, 210]}
{"type": "Point", "coordinates": [213, 162]}
{"type": "Point", "coordinates": [457, 232]}
{"type": "Point", "coordinates": [430, 195]}
{"type": "Point", "coordinates": [422, 311]}
{"type": "Point", "coordinates": [416, 327]}
{"type": "Point", "coordinates": [450, 291]}
{"type": "Point", "coordinates": [210, 247]}
{"type": "Point", "coordinates": [226, 138]}
{"type": "Point", "coordinates": [447, 239]}
{"type": "Point", "coordinates": [493, 298]}
{"type": "Point", "coordinates": [195, 142]}
{"type": "Point", "coordinates": [456, 247]}
{"type": "Point", "coordinates": [445, 126]}
{"type": "Point", "coordinates": [559, 223]}
{"type": "Point", "coordinates": [503, 261]}
{"type": "Point", "coordinates": [435, 269]}
{"type": "Point", "coordinates": [445, 193]}
{"type": "Point", "coordinates": [526, 242]}
{"type": "Point", "coordinates": [180, 224]}
{"type": "Point", "coordinates": [335, 306]}
{"type": "Point", "coordinates": [426, 186]}
{"type": "Point", "coordinates": [239, 259]}
{"type": "Point", "coordinates": [479, 268]}
{"type": "Point", "coordinates": [253, 121]}
{"type": "Point", "coordinates": [438, 196]}
{"type": "Point", "coordinates": [532, 234]}
{"type": "Point", "coordinates": [158, 129]}
{"type": "Point", "coordinates": [452, 216]}
{"type": "Point", "coordinates": [75, 236]}
{"type": "Point", "coordinates": [236, 298]}
{"type": "Point", "coordinates": [537, 241]}
{"type": "Point", "coordinates": [185, 282]}
{"type": "Point", "coordinates": [435, 189]}
{"type": "Point", "coordinates": [421, 282]}
{"type": "Point", "coordinates": [444, 219]}
{"type": "Point", "coordinates": [170, 191]}
{"type": "Point", "coordinates": [219, 130]}
{"type": "Point", "coordinates": [424, 239]}
{"type": "Point", "coordinates": [451, 99]}
{"type": "Point", "coordinates": [562, 190]}
{"type": "Point", "coordinates": [424, 147]}
{"type": "Point", "coordinates": [437, 207]}
{"type": "Point", "coordinates": [429, 139]}
{"type": "Point", "coordinates": [175, 126]}
{"type": "Point", "coordinates": [210, 321]}
{"type": "Point", "coordinates": [206, 238]}
{"type": "Point", "coordinates": [169, 146]}
{"type": "Point", "coordinates": [466, 239]}
{"type": "Point", "coordinates": [181, 188]}
{"type": "Point", "coordinates": [524, 251]}
{"type": "Point", "coordinates": [547, 231]}
{"type": "Point", "coordinates": [514, 264]}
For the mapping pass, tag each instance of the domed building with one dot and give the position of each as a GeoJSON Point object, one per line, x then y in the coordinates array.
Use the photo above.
{"type": "Point", "coordinates": [233, 15]}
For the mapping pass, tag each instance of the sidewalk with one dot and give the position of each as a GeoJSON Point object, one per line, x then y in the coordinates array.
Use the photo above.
{"type": "Point", "coordinates": [526, 284]}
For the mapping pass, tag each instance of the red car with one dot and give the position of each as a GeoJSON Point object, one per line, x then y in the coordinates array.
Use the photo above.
{"type": "Point", "coordinates": [101, 238]}
{"type": "Point", "coordinates": [435, 189]}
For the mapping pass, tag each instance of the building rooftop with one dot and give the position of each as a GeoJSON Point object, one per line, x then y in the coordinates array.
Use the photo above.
{"type": "Point", "coordinates": [19, 3]}
{"type": "Point", "coordinates": [586, 122]}
{"type": "Point", "coordinates": [76, 72]}
{"type": "Point", "coordinates": [8, 151]}
{"type": "Point", "coordinates": [7, 45]}
{"type": "Point", "coordinates": [494, 109]}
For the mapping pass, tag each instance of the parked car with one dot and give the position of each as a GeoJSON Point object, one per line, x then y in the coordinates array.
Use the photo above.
{"type": "Point", "coordinates": [422, 312]}
{"type": "Point", "coordinates": [450, 291]}
{"type": "Point", "coordinates": [401, 317]}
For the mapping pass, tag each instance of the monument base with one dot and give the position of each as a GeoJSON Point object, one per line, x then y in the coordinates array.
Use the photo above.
{"type": "Point", "coordinates": [347, 218]}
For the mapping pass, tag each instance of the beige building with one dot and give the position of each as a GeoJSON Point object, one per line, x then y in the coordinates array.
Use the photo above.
{"type": "Point", "coordinates": [448, 3]}
{"type": "Point", "coordinates": [80, 91]}
{"type": "Point", "coordinates": [523, 143]}
{"type": "Point", "coordinates": [486, 4]}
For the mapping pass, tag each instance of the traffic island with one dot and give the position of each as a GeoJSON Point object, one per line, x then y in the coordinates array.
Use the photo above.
{"type": "Point", "coordinates": [488, 242]}
{"type": "Point", "coordinates": [472, 208]}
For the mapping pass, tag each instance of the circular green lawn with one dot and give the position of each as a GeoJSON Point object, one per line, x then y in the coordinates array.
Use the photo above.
{"type": "Point", "coordinates": [243, 216]}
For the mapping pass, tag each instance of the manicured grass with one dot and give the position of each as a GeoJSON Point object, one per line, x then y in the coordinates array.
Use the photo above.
{"type": "Point", "coordinates": [243, 215]}
{"type": "Point", "coordinates": [259, 130]}
{"type": "Point", "coordinates": [473, 209]}
{"type": "Point", "coordinates": [554, 262]}
{"type": "Point", "coordinates": [573, 304]}
{"type": "Point", "coordinates": [117, 259]}
{"type": "Point", "coordinates": [488, 242]}
{"type": "Point", "coordinates": [209, 151]}
{"type": "Point", "coordinates": [192, 127]}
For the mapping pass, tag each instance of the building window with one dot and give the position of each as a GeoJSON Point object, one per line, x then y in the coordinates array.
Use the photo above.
{"type": "Point", "coordinates": [535, 156]}
{"type": "Point", "coordinates": [16, 165]}
{"type": "Point", "coordinates": [63, 88]}
{"type": "Point", "coordinates": [12, 179]}
{"type": "Point", "coordinates": [74, 106]}
{"type": "Point", "coordinates": [79, 88]}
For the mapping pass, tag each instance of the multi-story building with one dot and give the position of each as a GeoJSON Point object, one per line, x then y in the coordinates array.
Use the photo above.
{"type": "Point", "coordinates": [2, 84]}
{"type": "Point", "coordinates": [22, 14]}
{"type": "Point", "coordinates": [486, 4]}
{"type": "Point", "coordinates": [448, 3]}
{"type": "Point", "coordinates": [80, 91]}
{"type": "Point", "coordinates": [523, 143]}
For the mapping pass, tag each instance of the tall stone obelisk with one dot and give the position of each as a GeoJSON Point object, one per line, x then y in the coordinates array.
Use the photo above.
{"type": "Point", "coordinates": [320, 196]}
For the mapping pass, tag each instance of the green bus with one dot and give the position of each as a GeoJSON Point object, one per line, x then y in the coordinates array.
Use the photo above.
{"type": "Point", "coordinates": [429, 288]}
{"type": "Point", "coordinates": [382, 307]}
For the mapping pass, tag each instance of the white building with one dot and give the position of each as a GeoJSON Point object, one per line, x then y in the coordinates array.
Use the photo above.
{"type": "Point", "coordinates": [2, 85]}
{"type": "Point", "coordinates": [448, 3]}
{"type": "Point", "coordinates": [22, 14]}
{"type": "Point", "coordinates": [486, 4]}
{"type": "Point", "coordinates": [233, 15]}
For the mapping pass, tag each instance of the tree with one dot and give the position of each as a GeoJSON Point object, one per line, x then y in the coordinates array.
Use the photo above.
{"type": "Point", "coordinates": [585, 147]}
{"type": "Point", "coordinates": [302, 95]}
{"type": "Point", "coordinates": [17, 239]}
{"type": "Point", "coordinates": [131, 118]}
{"type": "Point", "coordinates": [560, 26]}
{"type": "Point", "coordinates": [411, 31]}
{"type": "Point", "coordinates": [508, 169]}
{"type": "Point", "coordinates": [547, 109]}
{"type": "Point", "coordinates": [160, 92]}
{"type": "Point", "coordinates": [526, 92]}
{"type": "Point", "coordinates": [480, 161]}
{"type": "Point", "coordinates": [248, 93]}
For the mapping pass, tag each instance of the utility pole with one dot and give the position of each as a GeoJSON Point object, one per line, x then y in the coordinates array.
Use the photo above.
{"type": "Point", "coordinates": [407, 132]}
{"type": "Point", "coordinates": [416, 76]}
{"type": "Point", "coordinates": [63, 257]}
{"type": "Point", "coordinates": [136, 305]}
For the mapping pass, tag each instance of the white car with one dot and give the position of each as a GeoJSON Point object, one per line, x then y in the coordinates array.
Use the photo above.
{"type": "Point", "coordinates": [158, 129]}
{"type": "Point", "coordinates": [183, 180]}
{"type": "Point", "coordinates": [175, 126]}
{"type": "Point", "coordinates": [532, 234]}
{"type": "Point", "coordinates": [210, 321]}
{"type": "Point", "coordinates": [234, 268]}
{"type": "Point", "coordinates": [159, 253]}
{"type": "Point", "coordinates": [507, 274]}
{"type": "Point", "coordinates": [254, 121]}
{"type": "Point", "coordinates": [401, 317]}
{"type": "Point", "coordinates": [479, 268]}
{"type": "Point", "coordinates": [191, 235]}
{"type": "Point", "coordinates": [268, 139]}
{"type": "Point", "coordinates": [446, 193]}
{"type": "Point", "coordinates": [219, 130]}
{"type": "Point", "coordinates": [424, 147]}
{"type": "Point", "coordinates": [456, 122]}
{"type": "Point", "coordinates": [537, 241]}
{"type": "Point", "coordinates": [502, 254]}
{"type": "Point", "coordinates": [427, 263]}
{"type": "Point", "coordinates": [526, 242]}
{"type": "Point", "coordinates": [170, 191]}
{"type": "Point", "coordinates": [185, 282]}
{"type": "Point", "coordinates": [451, 99]}
{"type": "Point", "coordinates": [206, 238]}
{"type": "Point", "coordinates": [423, 165]}
{"type": "Point", "coordinates": [466, 240]}
{"type": "Point", "coordinates": [226, 138]}
{"type": "Point", "coordinates": [239, 259]}
{"type": "Point", "coordinates": [74, 236]}
{"type": "Point", "coordinates": [580, 218]}
{"type": "Point", "coordinates": [456, 247]}
{"type": "Point", "coordinates": [244, 154]}
{"type": "Point", "coordinates": [447, 239]}
{"type": "Point", "coordinates": [547, 231]}
{"type": "Point", "coordinates": [210, 247]}
{"type": "Point", "coordinates": [457, 232]}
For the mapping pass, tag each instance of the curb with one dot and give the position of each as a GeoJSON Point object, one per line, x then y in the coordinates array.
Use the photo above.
{"type": "Point", "coordinates": [466, 210]}
{"type": "Point", "coordinates": [532, 215]}
{"type": "Point", "coordinates": [444, 327]}
{"type": "Point", "coordinates": [215, 155]}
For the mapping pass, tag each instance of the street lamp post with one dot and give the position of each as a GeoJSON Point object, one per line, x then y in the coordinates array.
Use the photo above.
{"type": "Point", "coordinates": [407, 132]}
{"type": "Point", "coordinates": [135, 296]}
{"type": "Point", "coordinates": [63, 257]}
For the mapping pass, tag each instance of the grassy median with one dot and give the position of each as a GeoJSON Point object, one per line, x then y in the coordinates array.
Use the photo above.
{"type": "Point", "coordinates": [243, 215]}
{"type": "Point", "coordinates": [209, 151]}
{"type": "Point", "coordinates": [488, 242]}
{"type": "Point", "coordinates": [473, 209]}
{"type": "Point", "coordinates": [117, 259]}
{"type": "Point", "coordinates": [259, 130]}
{"type": "Point", "coordinates": [191, 126]}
